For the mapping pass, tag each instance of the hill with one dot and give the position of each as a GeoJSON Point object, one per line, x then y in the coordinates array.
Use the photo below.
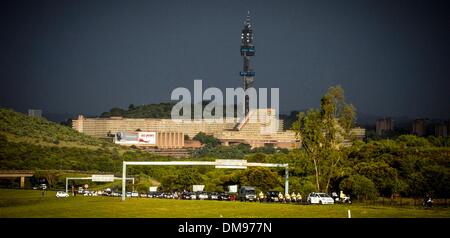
{"type": "Point", "coordinates": [30, 143]}
{"type": "Point", "coordinates": [37, 144]}
{"type": "Point", "coordinates": [160, 110]}
{"type": "Point", "coordinates": [18, 127]}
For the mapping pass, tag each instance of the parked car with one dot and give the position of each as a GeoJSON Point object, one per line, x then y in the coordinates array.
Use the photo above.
{"type": "Point", "coordinates": [107, 192]}
{"type": "Point", "coordinates": [61, 194]}
{"type": "Point", "coordinates": [272, 196]}
{"type": "Point", "coordinates": [319, 198]}
{"type": "Point", "coordinates": [224, 197]}
{"type": "Point", "coordinates": [153, 194]}
{"type": "Point", "coordinates": [202, 196]}
{"type": "Point", "coordinates": [143, 195]}
{"type": "Point", "coordinates": [185, 195]}
{"type": "Point", "coordinates": [214, 196]}
{"type": "Point", "coordinates": [90, 193]}
{"type": "Point", "coordinates": [247, 193]}
{"type": "Point", "coordinates": [160, 195]}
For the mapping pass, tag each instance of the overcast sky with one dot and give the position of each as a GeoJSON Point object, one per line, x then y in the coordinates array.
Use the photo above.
{"type": "Point", "coordinates": [391, 57]}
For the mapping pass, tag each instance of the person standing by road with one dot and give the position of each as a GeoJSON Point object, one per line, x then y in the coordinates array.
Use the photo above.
{"type": "Point", "coordinates": [342, 196]}
{"type": "Point", "coordinates": [280, 197]}
{"type": "Point", "coordinates": [293, 197]}
{"type": "Point", "coordinates": [261, 196]}
{"type": "Point", "coordinates": [299, 198]}
{"type": "Point", "coordinates": [287, 197]}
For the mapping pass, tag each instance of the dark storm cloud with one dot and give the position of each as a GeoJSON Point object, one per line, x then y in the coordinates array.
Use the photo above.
{"type": "Point", "coordinates": [391, 57]}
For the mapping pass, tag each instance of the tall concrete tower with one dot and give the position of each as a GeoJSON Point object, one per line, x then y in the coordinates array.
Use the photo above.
{"type": "Point", "coordinates": [247, 51]}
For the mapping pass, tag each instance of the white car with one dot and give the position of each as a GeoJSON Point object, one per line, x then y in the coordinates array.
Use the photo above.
{"type": "Point", "coordinates": [143, 195]}
{"type": "Point", "coordinates": [61, 194]}
{"type": "Point", "coordinates": [203, 196]}
{"type": "Point", "coordinates": [319, 198]}
{"type": "Point", "coordinates": [193, 196]}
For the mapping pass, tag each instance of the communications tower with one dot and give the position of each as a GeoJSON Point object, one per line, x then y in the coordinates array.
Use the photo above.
{"type": "Point", "coordinates": [247, 51]}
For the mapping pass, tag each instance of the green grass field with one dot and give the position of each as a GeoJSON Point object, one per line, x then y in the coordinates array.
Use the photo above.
{"type": "Point", "coordinates": [28, 203]}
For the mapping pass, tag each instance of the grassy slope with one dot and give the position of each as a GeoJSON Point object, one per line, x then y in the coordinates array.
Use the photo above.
{"type": "Point", "coordinates": [36, 144]}
{"type": "Point", "coordinates": [28, 203]}
{"type": "Point", "coordinates": [18, 127]}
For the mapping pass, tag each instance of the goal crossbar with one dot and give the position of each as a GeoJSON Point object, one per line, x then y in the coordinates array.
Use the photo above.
{"type": "Point", "coordinates": [233, 164]}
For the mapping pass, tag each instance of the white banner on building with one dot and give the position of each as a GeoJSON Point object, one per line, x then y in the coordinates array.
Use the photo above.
{"type": "Point", "coordinates": [136, 138]}
{"type": "Point", "coordinates": [153, 188]}
{"type": "Point", "coordinates": [102, 178]}
{"type": "Point", "coordinates": [147, 138]}
{"type": "Point", "coordinates": [233, 188]}
{"type": "Point", "coordinates": [198, 188]}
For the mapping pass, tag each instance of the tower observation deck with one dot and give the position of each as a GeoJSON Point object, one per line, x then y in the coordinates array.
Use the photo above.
{"type": "Point", "coordinates": [247, 51]}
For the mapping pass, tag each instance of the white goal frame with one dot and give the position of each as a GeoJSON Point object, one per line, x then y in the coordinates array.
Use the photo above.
{"type": "Point", "coordinates": [232, 164]}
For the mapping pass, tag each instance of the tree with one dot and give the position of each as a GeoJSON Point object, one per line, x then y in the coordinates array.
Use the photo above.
{"type": "Point", "coordinates": [309, 127]}
{"type": "Point", "coordinates": [207, 140]}
{"type": "Point", "coordinates": [413, 141]}
{"type": "Point", "coordinates": [50, 177]}
{"type": "Point", "coordinates": [322, 132]}
{"type": "Point", "coordinates": [384, 177]}
{"type": "Point", "coordinates": [116, 112]}
{"type": "Point", "coordinates": [359, 186]}
{"type": "Point", "coordinates": [262, 178]}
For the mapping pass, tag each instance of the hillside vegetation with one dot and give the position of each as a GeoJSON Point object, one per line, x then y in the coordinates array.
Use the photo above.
{"type": "Point", "coordinates": [160, 110]}
{"type": "Point", "coordinates": [35, 143]}
{"type": "Point", "coordinates": [18, 127]}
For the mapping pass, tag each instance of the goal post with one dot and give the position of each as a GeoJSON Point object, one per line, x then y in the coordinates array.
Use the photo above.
{"type": "Point", "coordinates": [230, 164]}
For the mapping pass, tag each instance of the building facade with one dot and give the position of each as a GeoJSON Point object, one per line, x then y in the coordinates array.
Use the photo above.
{"type": "Point", "coordinates": [441, 130]}
{"type": "Point", "coordinates": [258, 129]}
{"type": "Point", "coordinates": [384, 125]}
{"type": "Point", "coordinates": [419, 127]}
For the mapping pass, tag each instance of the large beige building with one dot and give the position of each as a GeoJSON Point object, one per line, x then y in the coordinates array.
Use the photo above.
{"type": "Point", "coordinates": [259, 128]}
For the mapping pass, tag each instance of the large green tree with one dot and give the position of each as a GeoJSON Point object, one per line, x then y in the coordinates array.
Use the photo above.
{"type": "Point", "coordinates": [322, 132]}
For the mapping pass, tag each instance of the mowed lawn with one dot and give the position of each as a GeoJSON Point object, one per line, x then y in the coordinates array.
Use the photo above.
{"type": "Point", "coordinates": [28, 203]}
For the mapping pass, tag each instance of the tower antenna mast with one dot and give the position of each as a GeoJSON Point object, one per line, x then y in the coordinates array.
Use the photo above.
{"type": "Point", "coordinates": [247, 51]}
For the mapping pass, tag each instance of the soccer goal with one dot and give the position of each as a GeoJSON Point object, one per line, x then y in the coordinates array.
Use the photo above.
{"type": "Point", "coordinates": [223, 164]}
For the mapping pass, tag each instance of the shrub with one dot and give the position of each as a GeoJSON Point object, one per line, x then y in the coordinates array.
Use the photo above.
{"type": "Point", "coordinates": [207, 139]}
{"type": "Point", "coordinates": [359, 187]}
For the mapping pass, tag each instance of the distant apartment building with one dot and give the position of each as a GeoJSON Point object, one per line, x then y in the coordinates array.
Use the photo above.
{"type": "Point", "coordinates": [419, 127]}
{"type": "Point", "coordinates": [384, 125]}
{"type": "Point", "coordinates": [34, 113]}
{"type": "Point", "coordinates": [441, 130]}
